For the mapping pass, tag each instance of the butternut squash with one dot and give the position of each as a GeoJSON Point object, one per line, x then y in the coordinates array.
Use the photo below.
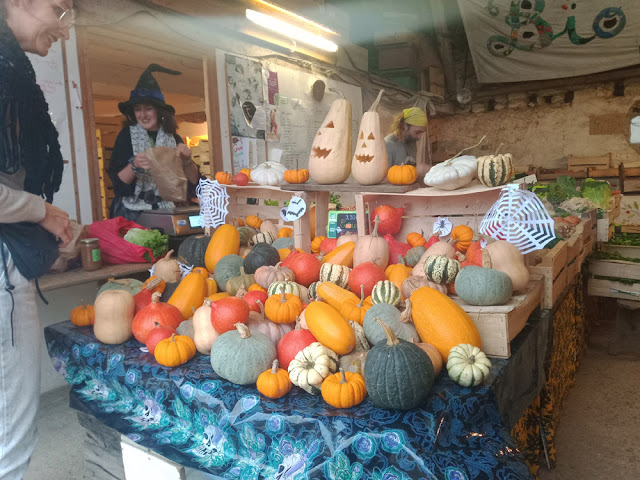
{"type": "Point", "coordinates": [342, 255]}
{"type": "Point", "coordinates": [225, 241]}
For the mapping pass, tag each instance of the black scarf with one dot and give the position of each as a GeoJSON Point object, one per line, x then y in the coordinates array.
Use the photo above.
{"type": "Point", "coordinates": [28, 138]}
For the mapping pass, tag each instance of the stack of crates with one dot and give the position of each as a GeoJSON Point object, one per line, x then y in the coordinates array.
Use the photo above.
{"type": "Point", "coordinates": [202, 156]}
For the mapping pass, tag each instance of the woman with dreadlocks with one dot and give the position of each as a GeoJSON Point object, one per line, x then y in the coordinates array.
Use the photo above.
{"type": "Point", "coordinates": [30, 226]}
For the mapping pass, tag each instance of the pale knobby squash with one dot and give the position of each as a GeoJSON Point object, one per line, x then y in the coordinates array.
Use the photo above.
{"type": "Point", "coordinates": [330, 157]}
{"type": "Point", "coordinates": [258, 322]}
{"type": "Point", "coordinates": [451, 174]}
{"type": "Point", "coordinates": [370, 161]}
{"type": "Point", "coordinates": [114, 312]}
{"type": "Point", "coordinates": [167, 268]}
{"type": "Point", "coordinates": [262, 237]}
{"type": "Point", "coordinates": [468, 365]}
{"type": "Point", "coordinates": [311, 366]}
{"type": "Point", "coordinates": [412, 283]}
{"type": "Point", "coordinates": [372, 248]}
{"type": "Point", "coordinates": [440, 269]}
{"type": "Point", "coordinates": [268, 274]}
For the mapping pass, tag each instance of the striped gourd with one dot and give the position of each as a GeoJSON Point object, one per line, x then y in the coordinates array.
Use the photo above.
{"type": "Point", "coordinates": [289, 287]}
{"type": "Point", "coordinates": [441, 269]}
{"type": "Point", "coordinates": [262, 237]}
{"type": "Point", "coordinates": [338, 274]}
{"type": "Point", "coordinates": [385, 292]}
{"type": "Point", "coordinates": [495, 170]}
{"type": "Point", "coordinates": [312, 291]}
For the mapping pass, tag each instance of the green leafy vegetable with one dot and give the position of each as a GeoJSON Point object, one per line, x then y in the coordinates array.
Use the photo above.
{"type": "Point", "coordinates": [153, 239]}
{"type": "Point", "coordinates": [598, 191]}
{"type": "Point", "coordinates": [568, 186]}
{"type": "Point", "coordinates": [556, 194]}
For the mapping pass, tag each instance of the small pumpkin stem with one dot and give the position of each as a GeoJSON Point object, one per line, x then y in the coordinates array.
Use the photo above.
{"type": "Point", "coordinates": [155, 297]}
{"type": "Point", "coordinates": [284, 298]}
{"type": "Point", "coordinates": [376, 221]}
{"type": "Point", "coordinates": [498, 149]}
{"type": "Point", "coordinates": [469, 148]}
{"type": "Point", "coordinates": [374, 106]}
{"type": "Point", "coordinates": [298, 326]}
{"type": "Point", "coordinates": [151, 284]}
{"type": "Point", "coordinates": [392, 340]}
{"type": "Point", "coordinates": [343, 379]}
{"type": "Point", "coordinates": [413, 340]}
{"type": "Point", "coordinates": [207, 302]}
{"type": "Point", "coordinates": [406, 314]}
{"type": "Point", "coordinates": [207, 231]}
{"type": "Point", "coordinates": [173, 338]}
{"type": "Point", "coordinates": [241, 291]}
{"type": "Point", "coordinates": [274, 366]}
{"type": "Point", "coordinates": [243, 330]}
{"type": "Point", "coordinates": [361, 296]}
{"type": "Point", "coordinates": [261, 307]}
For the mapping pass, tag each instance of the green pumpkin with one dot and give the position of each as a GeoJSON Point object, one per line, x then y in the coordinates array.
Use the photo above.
{"type": "Point", "coordinates": [246, 234]}
{"type": "Point", "coordinates": [260, 255]}
{"type": "Point", "coordinates": [483, 286]}
{"type": "Point", "coordinates": [241, 356]}
{"type": "Point", "coordinates": [400, 323]}
{"type": "Point", "coordinates": [398, 374]}
{"type": "Point", "coordinates": [131, 285]}
{"type": "Point", "coordinates": [385, 292]}
{"type": "Point", "coordinates": [227, 268]}
{"type": "Point", "coordinates": [284, 242]}
{"type": "Point", "coordinates": [441, 269]}
{"type": "Point", "coordinates": [243, 280]}
{"type": "Point", "coordinates": [191, 251]}
{"type": "Point", "coordinates": [312, 291]}
{"type": "Point", "coordinates": [413, 256]}
{"type": "Point", "coordinates": [338, 274]}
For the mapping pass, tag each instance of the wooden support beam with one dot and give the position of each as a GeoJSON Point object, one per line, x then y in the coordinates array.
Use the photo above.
{"type": "Point", "coordinates": [212, 111]}
{"type": "Point", "coordinates": [443, 35]}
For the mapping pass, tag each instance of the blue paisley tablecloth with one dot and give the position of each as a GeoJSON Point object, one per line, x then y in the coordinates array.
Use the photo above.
{"type": "Point", "coordinates": [191, 416]}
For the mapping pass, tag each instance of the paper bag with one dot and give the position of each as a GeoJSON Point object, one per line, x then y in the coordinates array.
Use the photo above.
{"type": "Point", "coordinates": [168, 173]}
{"type": "Point", "coordinates": [69, 257]}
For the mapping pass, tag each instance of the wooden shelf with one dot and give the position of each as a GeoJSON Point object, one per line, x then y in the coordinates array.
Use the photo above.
{"type": "Point", "coordinates": [349, 187]}
{"type": "Point", "coordinates": [54, 281]}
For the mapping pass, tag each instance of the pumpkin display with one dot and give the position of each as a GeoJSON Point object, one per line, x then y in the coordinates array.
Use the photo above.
{"type": "Point", "coordinates": [370, 161]}
{"type": "Point", "coordinates": [400, 323]}
{"type": "Point", "coordinates": [402, 174]}
{"type": "Point", "coordinates": [253, 221]}
{"type": "Point", "coordinates": [385, 292]}
{"type": "Point", "coordinates": [311, 366]}
{"type": "Point", "coordinates": [434, 355]}
{"type": "Point", "coordinates": [240, 356]}
{"type": "Point", "coordinates": [291, 288]}
{"type": "Point", "coordinates": [244, 281]}
{"type": "Point", "coordinates": [398, 374]}
{"type": "Point", "coordinates": [156, 335]}
{"type": "Point", "coordinates": [247, 172]}
{"type": "Point", "coordinates": [338, 274]}
{"type": "Point", "coordinates": [174, 351]}
{"type": "Point", "coordinates": [189, 295]}
{"type": "Point", "coordinates": [330, 327]}
{"type": "Point", "coordinates": [416, 239]}
{"type": "Point", "coordinates": [440, 269]}
{"type": "Point", "coordinates": [274, 382]}
{"type": "Point", "coordinates": [83, 315]}
{"type": "Point", "coordinates": [412, 283]}
{"type": "Point", "coordinates": [285, 232]}
{"type": "Point", "coordinates": [468, 365]}
{"type": "Point", "coordinates": [258, 322]}
{"type": "Point", "coordinates": [414, 255]}
{"type": "Point", "coordinates": [283, 308]}
{"type": "Point", "coordinates": [224, 178]}
{"type": "Point", "coordinates": [397, 274]}
{"type": "Point", "coordinates": [390, 219]}
{"type": "Point", "coordinates": [204, 335]}
{"type": "Point", "coordinates": [228, 267]}
{"type": "Point", "coordinates": [262, 237]}
{"type": "Point", "coordinates": [495, 170]}
{"type": "Point", "coordinates": [429, 308]}
{"type": "Point", "coordinates": [268, 274]}
{"type": "Point", "coordinates": [344, 389]}
{"type": "Point", "coordinates": [114, 312]}
{"type": "Point", "coordinates": [397, 249]}
{"type": "Point", "coordinates": [261, 254]}
{"type": "Point", "coordinates": [341, 255]}
{"type": "Point", "coordinates": [241, 179]}
{"type": "Point", "coordinates": [224, 241]}
{"type": "Point", "coordinates": [366, 274]}
{"type": "Point", "coordinates": [330, 157]}
{"type": "Point", "coordinates": [483, 286]}
{"type": "Point", "coordinates": [305, 267]}
{"type": "Point", "coordinates": [461, 237]}
{"type": "Point", "coordinates": [153, 314]}
{"type": "Point", "coordinates": [452, 174]}
{"type": "Point", "coordinates": [315, 244]}
{"type": "Point", "coordinates": [268, 173]}
{"type": "Point", "coordinates": [193, 249]}
{"type": "Point", "coordinates": [296, 176]}
{"type": "Point", "coordinates": [254, 299]}
{"type": "Point", "coordinates": [505, 257]}
{"type": "Point", "coordinates": [227, 312]}
{"type": "Point", "coordinates": [292, 343]}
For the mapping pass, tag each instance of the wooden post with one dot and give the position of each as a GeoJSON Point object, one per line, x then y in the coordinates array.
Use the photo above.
{"type": "Point", "coordinates": [302, 227]}
{"type": "Point", "coordinates": [361, 216]}
{"type": "Point", "coordinates": [212, 111]}
{"type": "Point", "coordinates": [322, 213]}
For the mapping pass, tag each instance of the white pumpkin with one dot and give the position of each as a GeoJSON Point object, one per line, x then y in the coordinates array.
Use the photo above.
{"type": "Point", "coordinates": [452, 174]}
{"type": "Point", "coordinates": [468, 365]}
{"type": "Point", "coordinates": [268, 173]}
{"type": "Point", "coordinates": [311, 366]}
{"type": "Point", "coordinates": [370, 160]}
{"type": "Point", "coordinates": [330, 157]}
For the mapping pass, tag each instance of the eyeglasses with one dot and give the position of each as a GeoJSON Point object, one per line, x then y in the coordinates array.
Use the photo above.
{"type": "Point", "coordinates": [66, 16]}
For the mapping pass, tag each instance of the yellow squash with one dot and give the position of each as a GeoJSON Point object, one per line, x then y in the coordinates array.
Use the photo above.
{"type": "Point", "coordinates": [342, 255]}
{"type": "Point", "coordinates": [330, 328]}
{"type": "Point", "coordinates": [189, 295]}
{"type": "Point", "coordinates": [225, 241]}
{"type": "Point", "coordinates": [346, 303]}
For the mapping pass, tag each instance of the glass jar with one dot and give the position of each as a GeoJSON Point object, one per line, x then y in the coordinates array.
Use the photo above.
{"type": "Point", "coordinates": [91, 254]}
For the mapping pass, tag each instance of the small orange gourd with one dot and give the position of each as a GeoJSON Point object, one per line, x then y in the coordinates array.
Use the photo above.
{"type": "Point", "coordinates": [275, 382]}
{"type": "Point", "coordinates": [398, 273]}
{"type": "Point", "coordinates": [253, 221]}
{"type": "Point", "coordinates": [256, 288]}
{"type": "Point", "coordinates": [296, 176]}
{"type": "Point", "coordinates": [83, 315]}
{"type": "Point", "coordinates": [344, 389]}
{"type": "Point", "coordinates": [285, 232]}
{"type": "Point", "coordinates": [416, 239]}
{"type": "Point", "coordinates": [315, 244]}
{"type": "Point", "coordinates": [283, 308]}
{"type": "Point", "coordinates": [402, 174]}
{"type": "Point", "coordinates": [461, 237]}
{"type": "Point", "coordinates": [224, 178]}
{"type": "Point", "coordinates": [175, 351]}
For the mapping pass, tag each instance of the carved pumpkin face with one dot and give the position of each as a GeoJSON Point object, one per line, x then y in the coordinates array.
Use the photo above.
{"type": "Point", "coordinates": [370, 161]}
{"type": "Point", "coordinates": [365, 150]}
{"type": "Point", "coordinates": [330, 158]}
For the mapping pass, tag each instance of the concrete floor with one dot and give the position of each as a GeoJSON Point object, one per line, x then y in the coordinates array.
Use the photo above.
{"type": "Point", "coordinates": [596, 438]}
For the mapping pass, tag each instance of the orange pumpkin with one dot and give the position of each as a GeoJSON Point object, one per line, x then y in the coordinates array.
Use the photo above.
{"type": "Point", "coordinates": [416, 239]}
{"type": "Point", "coordinates": [344, 389]}
{"type": "Point", "coordinates": [253, 221]}
{"type": "Point", "coordinates": [285, 232]}
{"type": "Point", "coordinates": [283, 308]}
{"type": "Point", "coordinates": [247, 172]}
{"type": "Point", "coordinates": [256, 288]}
{"type": "Point", "coordinates": [174, 351]}
{"type": "Point", "coordinates": [461, 237]}
{"type": "Point", "coordinates": [296, 176]}
{"type": "Point", "coordinates": [275, 382]}
{"type": "Point", "coordinates": [224, 178]}
{"type": "Point", "coordinates": [315, 244]}
{"type": "Point", "coordinates": [402, 174]}
{"type": "Point", "coordinates": [160, 286]}
{"type": "Point", "coordinates": [83, 315]}
{"type": "Point", "coordinates": [397, 273]}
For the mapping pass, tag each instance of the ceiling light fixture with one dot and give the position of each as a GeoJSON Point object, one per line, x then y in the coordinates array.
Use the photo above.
{"type": "Point", "coordinates": [288, 30]}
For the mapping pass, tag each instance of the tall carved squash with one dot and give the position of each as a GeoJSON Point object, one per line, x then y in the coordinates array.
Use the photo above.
{"type": "Point", "coordinates": [330, 158]}
{"type": "Point", "coordinates": [370, 162]}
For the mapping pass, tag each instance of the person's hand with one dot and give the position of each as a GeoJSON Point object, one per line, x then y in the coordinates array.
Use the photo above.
{"type": "Point", "coordinates": [57, 222]}
{"type": "Point", "coordinates": [141, 161]}
{"type": "Point", "coordinates": [184, 151]}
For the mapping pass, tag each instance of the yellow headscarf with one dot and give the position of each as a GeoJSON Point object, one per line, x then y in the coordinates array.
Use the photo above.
{"type": "Point", "coordinates": [415, 116]}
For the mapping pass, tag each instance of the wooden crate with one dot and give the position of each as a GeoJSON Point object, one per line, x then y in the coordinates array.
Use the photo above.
{"type": "Point", "coordinates": [607, 218]}
{"type": "Point", "coordinates": [422, 207]}
{"type": "Point", "coordinates": [499, 325]}
{"type": "Point", "coordinates": [552, 266]}
{"type": "Point", "coordinates": [577, 164]}
{"type": "Point", "coordinates": [627, 251]}
{"type": "Point", "coordinates": [609, 287]}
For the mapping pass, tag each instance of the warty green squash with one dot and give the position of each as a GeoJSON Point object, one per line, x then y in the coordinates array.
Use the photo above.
{"type": "Point", "coordinates": [441, 269]}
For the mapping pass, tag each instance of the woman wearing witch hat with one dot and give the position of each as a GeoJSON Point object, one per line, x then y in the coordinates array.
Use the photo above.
{"type": "Point", "coordinates": [149, 122]}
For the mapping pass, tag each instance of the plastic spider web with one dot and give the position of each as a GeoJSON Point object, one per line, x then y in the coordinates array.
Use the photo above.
{"type": "Point", "coordinates": [214, 202]}
{"type": "Point", "coordinates": [520, 218]}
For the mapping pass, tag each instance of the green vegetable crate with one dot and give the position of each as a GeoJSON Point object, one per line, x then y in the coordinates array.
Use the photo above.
{"type": "Point", "coordinates": [607, 218]}
{"type": "Point", "coordinates": [614, 278]}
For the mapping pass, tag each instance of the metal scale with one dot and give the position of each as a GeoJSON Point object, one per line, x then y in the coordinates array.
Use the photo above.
{"type": "Point", "coordinates": [179, 223]}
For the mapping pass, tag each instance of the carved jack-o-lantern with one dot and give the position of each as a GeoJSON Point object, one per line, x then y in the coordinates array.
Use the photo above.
{"type": "Point", "coordinates": [370, 162]}
{"type": "Point", "coordinates": [330, 158]}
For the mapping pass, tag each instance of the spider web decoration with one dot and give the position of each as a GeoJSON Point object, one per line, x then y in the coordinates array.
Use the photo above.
{"type": "Point", "coordinates": [214, 202]}
{"type": "Point", "coordinates": [520, 218]}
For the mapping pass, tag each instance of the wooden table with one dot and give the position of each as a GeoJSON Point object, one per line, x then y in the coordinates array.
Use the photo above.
{"type": "Point", "coordinates": [53, 281]}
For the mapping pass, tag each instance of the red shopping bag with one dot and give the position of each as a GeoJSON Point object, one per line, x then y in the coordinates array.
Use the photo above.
{"type": "Point", "coordinates": [115, 249]}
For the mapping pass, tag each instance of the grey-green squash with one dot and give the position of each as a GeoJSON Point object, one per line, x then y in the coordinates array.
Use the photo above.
{"type": "Point", "coordinates": [385, 291]}
{"type": "Point", "coordinates": [246, 234]}
{"type": "Point", "coordinates": [398, 374]}
{"type": "Point", "coordinates": [131, 285]}
{"type": "Point", "coordinates": [227, 268]}
{"type": "Point", "coordinates": [338, 274]}
{"type": "Point", "coordinates": [261, 254]}
{"type": "Point", "coordinates": [413, 256]}
{"type": "Point", "coordinates": [483, 286]}
{"type": "Point", "coordinates": [240, 356]}
{"type": "Point", "coordinates": [191, 251]}
{"type": "Point", "coordinates": [400, 323]}
{"type": "Point", "coordinates": [243, 280]}
{"type": "Point", "coordinates": [441, 269]}
{"type": "Point", "coordinates": [283, 242]}
{"type": "Point", "coordinates": [495, 170]}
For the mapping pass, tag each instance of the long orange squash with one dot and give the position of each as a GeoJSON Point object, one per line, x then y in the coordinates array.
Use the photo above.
{"type": "Point", "coordinates": [442, 322]}
{"type": "Point", "coordinates": [398, 272]}
{"type": "Point", "coordinates": [342, 255]}
{"type": "Point", "coordinates": [225, 241]}
{"type": "Point", "coordinates": [189, 295]}
{"type": "Point", "coordinates": [330, 328]}
{"type": "Point", "coordinates": [348, 304]}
